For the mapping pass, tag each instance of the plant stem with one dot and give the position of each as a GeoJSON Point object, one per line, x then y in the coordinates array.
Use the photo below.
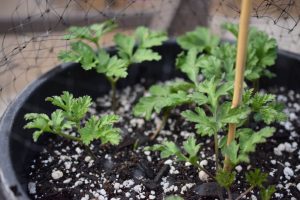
{"type": "Point", "coordinates": [216, 151]}
{"type": "Point", "coordinates": [97, 46]}
{"type": "Point", "coordinates": [255, 85]}
{"type": "Point", "coordinates": [239, 70]}
{"type": "Point", "coordinates": [69, 137]}
{"type": "Point", "coordinates": [166, 114]}
{"type": "Point", "coordinates": [205, 170]}
{"type": "Point", "coordinates": [244, 193]}
{"type": "Point", "coordinates": [72, 138]}
{"type": "Point", "coordinates": [113, 95]}
{"type": "Point", "coordinates": [229, 194]}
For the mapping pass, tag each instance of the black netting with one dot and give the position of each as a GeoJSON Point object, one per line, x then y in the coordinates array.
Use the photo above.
{"type": "Point", "coordinates": [31, 30]}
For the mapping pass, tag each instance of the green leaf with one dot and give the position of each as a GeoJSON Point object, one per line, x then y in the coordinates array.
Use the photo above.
{"type": "Point", "coordinates": [125, 45]}
{"type": "Point", "coordinates": [198, 98]}
{"type": "Point", "coordinates": [214, 89]}
{"type": "Point", "coordinates": [232, 151]}
{"type": "Point", "coordinates": [210, 66]}
{"type": "Point", "coordinates": [146, 38]}
{"type": "Point", "coordinates": [102, 129]}
{"type": "Point", "coordinates": [225, 178]}
{"type": "Point", "coordinates": [256, 178]}
{"type": "Point", "coordinates": [111, 66]}
{"type": "Point", "coordinates": [92, 33]}
{"type": "Point", "coordinates": [266, 109]}
{"type": "Point", "coordinates": [166, 149]}
{"type": "Point", "coordinates": [233, 115]}
{"type": "Point", "coordinates": [74, 109]}
{"type": "Point", "coordinates": [248, 139]}
{"type": "Point", "coordinates": [266, 193]}
{"type": "Point", "coordinates": [58, 122]}
{"type": "Point", "coordinates": [145, 107]}
{"type": "Point", "coordinates": [80, 53]}
{"type": "Point", "coordinates": [205, 125]}
{"type": "Point", "coordinates": [201, 39]}
{"type": "Point", "coordinates": [142, 55]}
{"type": "Point", "coordinates": [226, 53]}
{"type": "Point", "coordinates": [261, 52]}
{"type": "Point", "coordinates": [191, 147]}
{"type": "Point", "coordinates": [37, 121]}
{"type": "Point", "coordinates": [233, 28]}
{"type": "Point", "coordinates": [189, 64]}
{"type": "Point", "coordinates": [161, 97]}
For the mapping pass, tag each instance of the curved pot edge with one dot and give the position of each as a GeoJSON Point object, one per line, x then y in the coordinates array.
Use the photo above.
{"type": "Point", "coordinates": [6, 124]}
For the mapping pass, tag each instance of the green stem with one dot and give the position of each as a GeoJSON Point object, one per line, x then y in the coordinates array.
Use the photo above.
{"type": "Point", "coordinates": [73, 138]}
{"type": "Point", "coordinates": [69, 137]}
{"type": "Point", "coordinates": [166, 114]}
{"type": "Point", "coordinates": [205, 170]}
{"type": "Point", "coordinates": [255, 85]}
{"type": "Point", "coordinates": [216, 151]}
{"type": "Point", "coordinates": [229, 194]}
{"type": "Point", "coordinates": [244, 193]}
{"type": "Point", "coordinates": [215, 116]}
{"type": "Point", "coordinates": [113, 95]}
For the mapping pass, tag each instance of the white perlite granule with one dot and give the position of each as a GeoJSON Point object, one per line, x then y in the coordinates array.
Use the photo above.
{"type": "Point", "coordinates": [57, 174]}
{"type": "Point", "coordinates": [32, 187]}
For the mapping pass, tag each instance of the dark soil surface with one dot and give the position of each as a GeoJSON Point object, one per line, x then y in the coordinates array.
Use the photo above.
{"type": "Point", "coordinates": [64, 170]}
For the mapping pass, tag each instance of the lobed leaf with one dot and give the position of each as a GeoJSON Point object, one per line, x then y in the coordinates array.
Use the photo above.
{"type": "Point", "coordinates": [92, 33]}
{"type": "Point", "coordinates": [261, 52]}
{"type": "Point", "coordinates": [74, 109]}
{"type": "Point", "coordinates": [266, 193]}
{"type": "Point", "coordinates": [256, 178]}
{"type": "Point", "coordinates": [189, 64]}
{"type": "Point", "coordinates": [205, 125]}
{"type": "Point", "coordinates": [102, 129]}
{"type": "Point", "coordinates": [225, 178]}
{"type": "Point", "coordinates": [201, 39]}
{"type": "Point", "coordinates": [162, 97]}
{"type": "Point", "coordinates": [80, 53]}
{"type": "Point", "coordinates": [145, 38]}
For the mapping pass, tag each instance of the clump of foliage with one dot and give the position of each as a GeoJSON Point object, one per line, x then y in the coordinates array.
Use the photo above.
{"type": "Point", "coordinates": [164, 97]}
{"type": "Point", "coordinates": [211, 96]}
{"type": "Point", "coordinates": [261, 53]}
{"type": "Point", "coordinates": [85, 49]}
{"type": "Point", "coordinates": [71, 117]}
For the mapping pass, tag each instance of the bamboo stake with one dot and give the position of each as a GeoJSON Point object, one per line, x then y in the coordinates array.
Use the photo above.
{"type": "Point", "coordinates": [239, 69]}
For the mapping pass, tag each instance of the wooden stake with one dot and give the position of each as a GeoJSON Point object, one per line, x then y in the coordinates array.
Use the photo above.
{"type": "Point", "coordinates": [239, 69]}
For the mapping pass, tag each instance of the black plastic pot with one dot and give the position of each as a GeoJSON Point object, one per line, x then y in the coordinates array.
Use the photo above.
{"type": "Point", "coordinates": [16, 146]}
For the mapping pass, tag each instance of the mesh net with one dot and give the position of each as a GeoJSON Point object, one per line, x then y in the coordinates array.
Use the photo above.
{"type": "Point", "coordinates": [31, 31]}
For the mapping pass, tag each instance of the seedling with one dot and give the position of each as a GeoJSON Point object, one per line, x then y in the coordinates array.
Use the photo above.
{"type": "Point", "coordinates": [71, 117]}
{"type": "Point", "coordinates": [130, 50]}
{"type": "Point", "coordinates": [215, 61]}
{"type": "Point", "coordinates": [163, 98]}
{"type": "Point", "coordinates": [261, 54]}
{"type": "Point", "coordinates": [213, 112]}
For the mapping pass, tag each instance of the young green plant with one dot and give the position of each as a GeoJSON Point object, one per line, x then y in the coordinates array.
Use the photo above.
{"type": "Point", "coordinates": [130, 50]}
{"type": "Point", "coordinates": [162, 98]}
{"type": "Point", "coordinates": [261, 54]}
{"type": "Point", "coordinates": [165, 97]}
{"type": "Point", "coordinates": [71, 117]}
